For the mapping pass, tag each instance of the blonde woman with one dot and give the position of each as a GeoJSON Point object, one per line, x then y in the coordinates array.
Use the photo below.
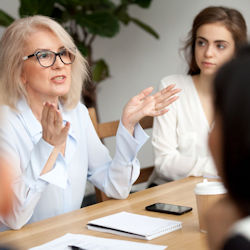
{"type": "Point", "coordinates": [48, 133]}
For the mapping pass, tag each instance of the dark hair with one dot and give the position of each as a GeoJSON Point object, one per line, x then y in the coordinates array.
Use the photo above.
{"type": "Point", "coordinates": [232, 104]}
{"type": "Point", "coordinates": [231, 18]}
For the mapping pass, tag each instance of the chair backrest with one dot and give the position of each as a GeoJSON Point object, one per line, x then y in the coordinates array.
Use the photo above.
{"type": "Point", "coordinates": [108, 129]}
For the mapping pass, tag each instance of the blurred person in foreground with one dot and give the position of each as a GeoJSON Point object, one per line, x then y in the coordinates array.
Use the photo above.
{"type": "Point", "coordinates": [6, 193]}
{"type": "Point", "coordinates": [229, 220]}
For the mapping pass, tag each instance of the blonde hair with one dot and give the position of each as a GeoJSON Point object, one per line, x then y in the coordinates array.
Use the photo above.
{"type": "Point", "coordinates": [12, 44]}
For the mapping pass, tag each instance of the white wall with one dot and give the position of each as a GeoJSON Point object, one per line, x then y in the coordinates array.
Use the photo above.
{"type": "Point", "coordinates": [136, 59]}
{"type": "Point", "coordinates": [11, 7]}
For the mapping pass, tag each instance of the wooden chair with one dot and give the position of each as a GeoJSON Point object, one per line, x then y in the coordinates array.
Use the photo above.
{"type": "Point", "coordinates": [108, 129]}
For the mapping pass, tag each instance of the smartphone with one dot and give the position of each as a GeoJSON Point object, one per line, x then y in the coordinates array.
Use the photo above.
{"type": "Point", "coordinates": [168, 208]}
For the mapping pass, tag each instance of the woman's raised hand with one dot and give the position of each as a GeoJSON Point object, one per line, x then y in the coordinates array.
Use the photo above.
{"type": "Point", "coordinates": [145, 104]}
{"type": "Point", "coordinates": [54, 132]}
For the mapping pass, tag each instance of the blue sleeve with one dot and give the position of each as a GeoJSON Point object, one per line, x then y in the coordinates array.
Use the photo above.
{"type": "Point", "coordinates": [114, 176]}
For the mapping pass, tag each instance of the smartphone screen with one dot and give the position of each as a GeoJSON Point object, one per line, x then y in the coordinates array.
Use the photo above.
{"type": "Point", "coordinates": [168, 208]}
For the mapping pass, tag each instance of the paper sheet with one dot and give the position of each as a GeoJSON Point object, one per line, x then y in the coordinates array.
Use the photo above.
{"type": "Point", "coordinates": [95, 243]}
{"type": "Point", "coordinates": [134, 225]}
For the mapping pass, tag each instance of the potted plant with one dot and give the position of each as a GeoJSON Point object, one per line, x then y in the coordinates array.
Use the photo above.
{"type": "Point", "coordinates": [85, 20]}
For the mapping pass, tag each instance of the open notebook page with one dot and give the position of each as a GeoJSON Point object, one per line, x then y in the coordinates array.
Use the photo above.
{"type": "Point", "coordinates": [134, 225]}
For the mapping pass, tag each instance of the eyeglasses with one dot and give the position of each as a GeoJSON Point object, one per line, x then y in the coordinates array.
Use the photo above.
{"type": "Point", "coordinates": [47, 58]}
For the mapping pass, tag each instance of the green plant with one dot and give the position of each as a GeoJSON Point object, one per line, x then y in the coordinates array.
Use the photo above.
{"type": "Point", "coordinates": [85, 20]}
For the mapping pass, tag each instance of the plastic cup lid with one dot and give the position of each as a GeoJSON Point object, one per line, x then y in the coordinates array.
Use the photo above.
{"type": "Point", "coordinates": [209, 188]}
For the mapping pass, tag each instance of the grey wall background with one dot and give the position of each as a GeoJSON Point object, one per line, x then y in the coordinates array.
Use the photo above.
{"type": "Point", "coordinates": [137, 60]}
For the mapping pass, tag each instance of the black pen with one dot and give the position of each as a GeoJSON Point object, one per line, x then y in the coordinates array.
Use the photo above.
{"type": "Point", "coordinates": [76, 248]}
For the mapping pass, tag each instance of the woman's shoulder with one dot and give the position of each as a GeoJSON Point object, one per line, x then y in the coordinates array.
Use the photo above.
{"type": "Point", "coordinates": [79, 112]}
{"type": "Point", "coordinates": [237, 242]}
{"type": "Point", "coordinates": [79, 109]}
{"type": "Point", "coordinates": [180, 80]}
{"type": "Point", "coordinates": [9, 122]}
{"type": "Point", "coordinates": [242, 227]}
{"type": "Point", "coordinates": [77, 116]}
{"type": "Point", "coordinates": [7, 113]}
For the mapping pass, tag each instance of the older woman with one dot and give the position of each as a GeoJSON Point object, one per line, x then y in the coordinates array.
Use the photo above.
{"type": "Point", "coordinates": [48, 134]}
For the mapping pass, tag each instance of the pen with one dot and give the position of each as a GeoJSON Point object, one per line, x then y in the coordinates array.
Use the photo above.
{"type": "Point", "coordinates": [76, 248]}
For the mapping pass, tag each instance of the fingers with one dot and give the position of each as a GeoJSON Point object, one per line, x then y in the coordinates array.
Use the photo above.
{"type": "Point", "coordinates": [169, 87]}
{"type": "Point", "coordinates": [167, 92]}
{"type": "Point", "coordinates": [51, 115]}
{"type": "Point", "coordinates": [65, 129]}
{"type": "Point", "coordinates": [45, 113]}
{"type": "Point", "coordinates": [165, 97]}
{"type": "Point", "coordinates": [52, 123]}
{"type": "Point", "coordinates": [145, 93]}
{"type": "Point", "coordinates": [145, 104]}
{"type": "Point", "coordinates": [161, 112]}
{"type": "Point", "coordinates": [165, 103]}
{"type": "Point", "coordinates": [58, 119]}
{"type": "Point", "coordinates": [170, 90]}
{"type": "Point", "coordinates": [157, 105]}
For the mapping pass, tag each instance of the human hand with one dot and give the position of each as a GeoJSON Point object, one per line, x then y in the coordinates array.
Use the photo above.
{"type": "Point", "coordinates": [53, 130]}
{"type": "Point", "coordinates": [143, 105]}
{"type": "Point", "coordinates": [6, 192]}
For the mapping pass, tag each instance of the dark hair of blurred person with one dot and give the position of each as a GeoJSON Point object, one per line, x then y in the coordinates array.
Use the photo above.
{"type": "Point", "coordinates": [229, 223]}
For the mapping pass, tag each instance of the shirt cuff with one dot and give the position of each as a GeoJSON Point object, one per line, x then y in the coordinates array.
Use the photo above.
{"type": "Point", "coordinates": [127, 146]}
{"type": "Point", "coordinates": [58, 176]}
{"type": "Point", "coordinates": [38, 159]}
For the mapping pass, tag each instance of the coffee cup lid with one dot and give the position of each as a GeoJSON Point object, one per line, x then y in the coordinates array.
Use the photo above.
{"type": "Point", "coordinates": [210, 188]}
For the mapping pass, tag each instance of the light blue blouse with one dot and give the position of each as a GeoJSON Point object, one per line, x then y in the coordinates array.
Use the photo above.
{"type": "Point", "coordinates": [62, 189]}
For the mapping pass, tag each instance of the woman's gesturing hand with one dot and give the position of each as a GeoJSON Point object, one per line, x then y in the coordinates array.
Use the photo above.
{"type": "Point", "coordinates": [145, 104]}
{"type": "Point", "coordinates": [54, 132]}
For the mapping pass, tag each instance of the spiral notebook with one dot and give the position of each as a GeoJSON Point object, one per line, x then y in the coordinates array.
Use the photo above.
{"type": "Point", "coordinates": [134, 225]}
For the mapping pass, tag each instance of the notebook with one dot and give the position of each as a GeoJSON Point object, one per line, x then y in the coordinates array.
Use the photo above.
{"type": "Point", "coordinates": [134, 225]}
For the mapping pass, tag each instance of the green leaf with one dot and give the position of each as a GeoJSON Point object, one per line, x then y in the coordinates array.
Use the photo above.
{"type": "Point", "coordinates": [141, 3]}
{"type": "Point", "coordinates": [99, 23]}
{"type": "Point", "coordinates": [87, 5]}
{"type": "Point", "coordinates": [83, 49]}
{"type": "Point", "coordinates": [71, 2]}
{"type": "Point", "coordinates": [100, 71]}
{"type": "Point", "coordinates": [121, 13]}
{"type": "Point", "coordinates": [145, 27]}
{"type": "Point", "coordinates": [34, 7]}
{"type": "Point", "coordinates": [5, 19]}
{"type": "Point", "coordinates": [58, 15]}
{"type": "Point", "coordinates": [99, 4]}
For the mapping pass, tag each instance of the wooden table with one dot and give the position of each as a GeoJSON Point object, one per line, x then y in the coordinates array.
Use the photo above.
{"type": "Point", "coordinates": [178, 192]}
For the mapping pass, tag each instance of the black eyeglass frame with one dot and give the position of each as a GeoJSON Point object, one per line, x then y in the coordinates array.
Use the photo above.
{"type": "Point", "coordinates": [55, 53]}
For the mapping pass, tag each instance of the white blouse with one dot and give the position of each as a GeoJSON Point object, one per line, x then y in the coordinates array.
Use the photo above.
{"type": "Point", "coordinates": [180, 136]}
{"type": "Point", "coordinates": [62, 189]}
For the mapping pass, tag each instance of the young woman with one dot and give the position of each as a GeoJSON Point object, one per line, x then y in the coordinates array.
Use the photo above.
{"type": "Point", "coordinates": [180, 137]}
{"type": "Point", "coordinates": [48, 134]}
{"type": "Point", "coordinates": [229, 141]}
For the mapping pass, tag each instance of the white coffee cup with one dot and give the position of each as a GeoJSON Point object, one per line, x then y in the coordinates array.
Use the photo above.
{"type": "Point", "coordinates": [207, 193]}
